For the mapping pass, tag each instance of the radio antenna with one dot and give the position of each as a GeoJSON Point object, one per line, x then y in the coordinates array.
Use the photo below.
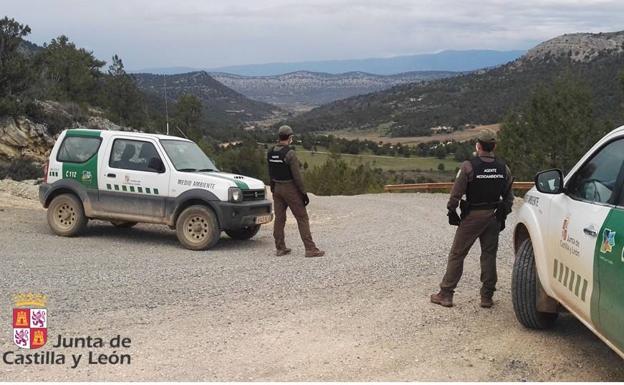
{"type": "Point", "coordinates": [166, 106]}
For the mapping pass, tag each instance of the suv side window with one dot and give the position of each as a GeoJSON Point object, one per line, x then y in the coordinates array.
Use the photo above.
{"type": "Point", "coordinates": [597, 180]}
{"type": "Point", "coordinates": [133, 155]}
{"type": "Point", "coordinates": [78, 149]}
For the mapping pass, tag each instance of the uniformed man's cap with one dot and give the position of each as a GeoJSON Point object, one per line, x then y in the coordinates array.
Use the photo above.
{"type": "Point", "coordinates": [285, 131]}
{"type": "Point", "coordinates": [487, 136]}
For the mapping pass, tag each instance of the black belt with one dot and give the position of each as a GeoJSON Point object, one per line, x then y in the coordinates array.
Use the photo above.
{"type": "Point", "coordinates": [484, 206]}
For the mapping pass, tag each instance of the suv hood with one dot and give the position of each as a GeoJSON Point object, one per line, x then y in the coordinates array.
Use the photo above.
{"type": "Point", "coordinates": [240, 181]}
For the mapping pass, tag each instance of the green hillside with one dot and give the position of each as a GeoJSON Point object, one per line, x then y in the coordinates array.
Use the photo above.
{"type": "Point", "coordinates": [484, 97]}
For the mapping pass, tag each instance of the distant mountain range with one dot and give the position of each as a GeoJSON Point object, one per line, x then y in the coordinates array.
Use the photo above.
{"type": "Point", "coordinates": [221, 105]}
{"type": "Point", "coordinates": [484, 96]}
{"type": "Point", "coordinates": [453, 61]}
{"type": "Point", "coordinates": [303, 90]}
{"type": "Point", "coordinates": [304, 85]}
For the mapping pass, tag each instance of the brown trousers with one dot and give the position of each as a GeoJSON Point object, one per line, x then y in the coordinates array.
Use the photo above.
{"type": "Point", "coordinates": [288, 195]}
{"type": "Point", "coordinates": [481, 224]}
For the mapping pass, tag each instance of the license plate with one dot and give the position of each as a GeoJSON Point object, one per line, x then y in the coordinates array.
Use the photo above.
{"type": "Point", "coordinates": [263, 219]}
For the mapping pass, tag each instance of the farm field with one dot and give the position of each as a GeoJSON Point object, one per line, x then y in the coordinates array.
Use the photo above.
{"type": "Point", "coordinates": [386, 163]}
{"type": "Point", "coordinates": [376, 136]}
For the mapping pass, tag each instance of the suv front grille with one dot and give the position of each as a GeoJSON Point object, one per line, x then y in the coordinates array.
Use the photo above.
{"type": "Point", "coordinates": [253, 195]}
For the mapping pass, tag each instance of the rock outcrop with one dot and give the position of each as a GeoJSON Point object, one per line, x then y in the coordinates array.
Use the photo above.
{"type": "Point", "coordinates": [22, 138]}
{"type": "Point", "coordinates": [579, 47]}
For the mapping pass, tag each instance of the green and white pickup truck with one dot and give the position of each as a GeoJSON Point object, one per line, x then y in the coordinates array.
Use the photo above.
{"type": "Point", "coordinates": [569, 243]}
{"type": "Point", "coordinates": [126, 177]}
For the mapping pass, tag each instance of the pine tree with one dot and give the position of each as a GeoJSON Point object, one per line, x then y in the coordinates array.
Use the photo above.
{"type": "Point", "coordinates": [123, 98]}
{"type": "Point", "coordinates": [553, 130]}
{"type": "Point", "coordinates": [15, 69]}
{"type": "Point", "coordinates": [69, 73]}
{"type": "Point", "coordinates": [188, 116]}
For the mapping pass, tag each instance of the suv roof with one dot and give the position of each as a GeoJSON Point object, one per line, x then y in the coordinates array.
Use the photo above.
{"type": "Point", "coordinates": [107, 133]}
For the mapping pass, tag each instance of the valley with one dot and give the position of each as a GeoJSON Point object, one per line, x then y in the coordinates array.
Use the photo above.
{"type": "Point", "coordinates": [457, 135]}
{"type": "Point", "coordinates": [303, 90]}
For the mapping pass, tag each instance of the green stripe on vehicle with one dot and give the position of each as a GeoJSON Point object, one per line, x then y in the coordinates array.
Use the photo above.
{"type": "Point", "coordinates": [82, 132]}
{"type": "Point", "coordinates": [578, 286]}
{"type": "Point", "coordinates": [240, 184]}
{"type": "Point", "coordinates": [607, 301]}
{"type": "Point", "coordinates": [132, 189]}
{"type": "Point", "coordinates": [555, 269]}
{"type": "Point", "coordinates": [85, 173]}
{"type": "Point", "coordinates": [573, 284]}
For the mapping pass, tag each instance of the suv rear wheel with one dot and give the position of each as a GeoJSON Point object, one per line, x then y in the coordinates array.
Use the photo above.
{"type": "Point", "coordinates": [66, 215]}
{"type": "Point", "coordinates": [197, 228]}
{"type": "Point", "coordinates": [524, 289]}
{"type": "Point", "coordinates": [244, 233]}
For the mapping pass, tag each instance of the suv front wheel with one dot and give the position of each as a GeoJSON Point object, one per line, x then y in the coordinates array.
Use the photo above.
{"type": "Point", "coordinates": [197, 228]}
{"type": "Point", "coordinates": [524, 289]}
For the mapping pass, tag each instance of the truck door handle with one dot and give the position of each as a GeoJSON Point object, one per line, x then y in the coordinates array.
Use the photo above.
{"type": "Point", "coordinates": [111, 175]}
{"type": "Point", "coordinates": [590, 231]}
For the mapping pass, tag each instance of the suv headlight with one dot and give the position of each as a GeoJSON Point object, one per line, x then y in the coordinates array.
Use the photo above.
{"type": "Point", "coordinates": [235, 194]}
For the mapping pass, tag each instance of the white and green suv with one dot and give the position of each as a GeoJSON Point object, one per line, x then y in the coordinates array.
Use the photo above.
{"type": "Point", "coordinates": [569, 244]}
{"type": "Point", "coordinates": [126, 178]}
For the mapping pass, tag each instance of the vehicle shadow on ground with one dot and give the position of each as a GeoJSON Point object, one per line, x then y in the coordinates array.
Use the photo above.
{"type": "Point", "coordinates": [161, 235]}
{"type": "Point", "coordinates": [567, 326]}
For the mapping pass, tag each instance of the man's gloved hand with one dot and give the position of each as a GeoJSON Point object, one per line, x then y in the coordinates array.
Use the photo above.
{"type": "Point", "coordinates": [306, 199]}
{"type": "Point", "coordinates": [501, 215]}
{"type": "Point", "coordinates": [453, 218]}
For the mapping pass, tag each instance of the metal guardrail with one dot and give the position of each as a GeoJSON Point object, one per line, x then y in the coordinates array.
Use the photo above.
{"type": "Point", "coordinates": [429, 187]}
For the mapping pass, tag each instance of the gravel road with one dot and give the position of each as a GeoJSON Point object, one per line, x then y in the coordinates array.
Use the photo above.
{"type": "Point", "coordinates": [239, 313]}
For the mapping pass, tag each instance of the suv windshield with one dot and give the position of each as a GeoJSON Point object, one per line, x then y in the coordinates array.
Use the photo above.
{"type": "Point", "coordinates": [187, 156]}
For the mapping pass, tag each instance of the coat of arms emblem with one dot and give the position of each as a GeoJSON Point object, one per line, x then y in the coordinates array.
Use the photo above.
{"type": "Point", "coordinates": [608, 241]}
{"type": "Point", "coordinates": [30, 321]}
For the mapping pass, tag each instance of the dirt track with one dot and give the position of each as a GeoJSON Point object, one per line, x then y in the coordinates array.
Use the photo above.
{"type": "Point", "coordinates": [239, 313]}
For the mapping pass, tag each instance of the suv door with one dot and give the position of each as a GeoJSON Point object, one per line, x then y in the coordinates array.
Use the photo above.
{"type": "Point", "coordinates": [609, 272]}
{"type": "Point", "coordinates": [577, 228]}
{"type": "Point", "coordinates": [135, 179]}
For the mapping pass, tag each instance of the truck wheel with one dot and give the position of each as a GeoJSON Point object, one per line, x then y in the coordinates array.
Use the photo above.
{"type": "Point", "coordinates": [66, 215]}
{"type": "Point", "coordinates": [123, 224]}
{"type": "Point", "coordinates": [244, 233]}
{"type": "Point", "coordinates": [524, 287]}
{"type": "Point", "coordinates": [197, 228]}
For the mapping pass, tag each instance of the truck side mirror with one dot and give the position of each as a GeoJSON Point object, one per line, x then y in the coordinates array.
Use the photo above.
{"type": "Point", "coordinates": [549, 181]}
{"type": "Point", "coordinates": [156, 164]}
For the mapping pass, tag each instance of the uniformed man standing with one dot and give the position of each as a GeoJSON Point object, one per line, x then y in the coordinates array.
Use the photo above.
{"type": "Point", "coordinates": [486, 181]}
{"type": "Point", "coordinates": [288, 191]}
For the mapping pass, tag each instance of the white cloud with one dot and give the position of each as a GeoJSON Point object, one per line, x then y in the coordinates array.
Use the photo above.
{"type": "Point", "coordinates": [196, 33]}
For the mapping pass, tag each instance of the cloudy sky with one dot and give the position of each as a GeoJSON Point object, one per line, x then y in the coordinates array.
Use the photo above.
{"type": "Point", "coordinates": [212, 33]}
